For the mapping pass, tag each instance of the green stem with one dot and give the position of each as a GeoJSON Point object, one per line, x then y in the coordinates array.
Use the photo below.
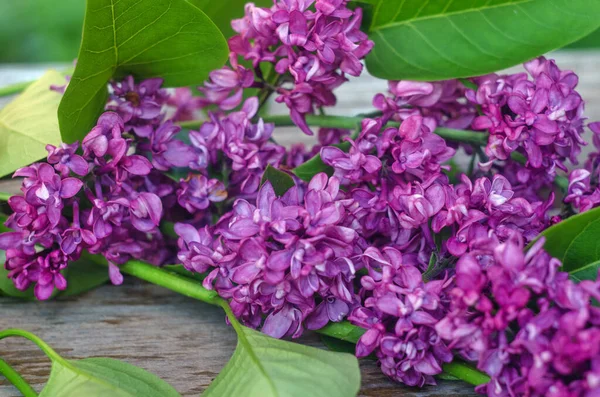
{"type": "Point", "coordinates": [52, 355]}
{"type": "Point", "coordinates": [465, 372]}
{"type": "Point", "coordinates": [170, 280]}
{"type": "Point", "coordinates": [16, 379]}
{"type": "Point", "coordinates": [351, 123]}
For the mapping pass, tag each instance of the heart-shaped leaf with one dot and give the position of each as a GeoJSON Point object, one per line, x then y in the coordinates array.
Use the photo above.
{"type": "Point", "coordinates": [281, 181]}
{"type": "Point", "coordinates": [583, 249]}
{"type": "Point", "coordinates": [587, 272]}
{"type": "Point", "coordinates": [171, 39]}
{"type": "Point", "coordinates": [94, 376]}
{"type": "Point", "coordinates": [436, 40]}
{"type": "Point", "coordinates": [265, 367]}
{"type": "Point", "coordinates": [29, 123]}
{"type": "Point", "coordinates": [103, 377]}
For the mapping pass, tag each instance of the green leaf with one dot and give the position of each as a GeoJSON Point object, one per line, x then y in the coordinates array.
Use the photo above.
{"type": "Point", "coordinates": [281, 181]}
{"type": "Point", "coordinates": [83, 276]}
{"type": "Point", "coordinates": [103, 377]}
{"type": "Point", "coordinates": [223, 12]}
{"type": "Point", "coordinates": [560, 238]}
{"type": "Point", "coordinates": [441, 39]}
{"type": "Point", "coordinates": [265, 367]}
{"type": "Point", "coordinates": [172, 39]}
{"type": "Point", "coordinates": [583, 249]}
{"type": "Point", "coordinates": [587, 272]}
{"type": "Point", "coordinates": [338, 345]}
{"type": "Point", "coordinates": [29, 123]}
{"type": "Point", "coordinates": [312, 167]}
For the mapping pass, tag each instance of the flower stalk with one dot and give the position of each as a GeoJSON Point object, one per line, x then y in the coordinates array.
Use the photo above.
{"type": "Point", "coordinates": [16, 379]}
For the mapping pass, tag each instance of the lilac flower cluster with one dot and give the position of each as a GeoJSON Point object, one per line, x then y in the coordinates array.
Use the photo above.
{"type": "Point", "coordinates": [235, 144]}
{"type": "Point", "coordinates": [439, 103]}
{"type": "Point", "coordinates": [289, 258]}
{"type": "Point", "coordinates": [98, 201]}
{"type": "Point", "coordinates": [310, 49]}
{"type": "Point", "coordinates": [400, 312]}
{"type": "Point", "coordinates": [539, 118]}
{"type": "Point", "coordinates": [527, 325]}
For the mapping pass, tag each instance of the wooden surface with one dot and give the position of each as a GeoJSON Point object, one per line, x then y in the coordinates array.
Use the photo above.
{"type": "Point", "coordinates": [183, 341]}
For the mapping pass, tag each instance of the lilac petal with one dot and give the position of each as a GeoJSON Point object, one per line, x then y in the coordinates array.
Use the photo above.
{"type": "Point", "coordinates": [319, 318]}
{"type": "Point", "coordinates": [60, 281]}
{"type": "Point", "coordinates": [187, 232]}
{"type": "Point", "coordinates": [78, 165]}
{"type": "Point", "coordinates": [517, 104]}
{"type": "Point", "coordinates": [70, 187]}
{"type": "Point", "coordinates": [115, 274]}
{"type": "Point", "coordinates": [337, 310]}
{"type": "Point", "coordinates": [277, 325]}
{"type": "Point", "coordinates": [280, 260]}
{"type": "Point", "coordinates": [10, 240]}
{"type": "Point", "coordinates": [137, 165]}
{"type": "Point", "coordinates": [43, 292]}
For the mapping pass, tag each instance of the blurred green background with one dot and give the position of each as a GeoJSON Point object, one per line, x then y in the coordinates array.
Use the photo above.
{"type": "Point", "coordinates": [49, 30]}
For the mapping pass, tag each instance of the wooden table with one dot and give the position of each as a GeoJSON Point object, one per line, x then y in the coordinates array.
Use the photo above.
{"type": "Point", "coordinates": [186, 342]}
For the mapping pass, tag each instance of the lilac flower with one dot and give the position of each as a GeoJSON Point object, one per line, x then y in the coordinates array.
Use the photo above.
{"type": "Point", "coordinates": [580, 194]}
{"type": "Point", "coordinates": [313, 48]}
{"type": "Point", "coordinates": [245, 146]}
{"type": "Point", "coordinates": [539, 118]}
{"type": "Point", "coordinates": [167, 152]}
{"type": "Point", "coordinates": [198, 192]}
{"type": "Point", "coordinates": [105, 210]}
{"type": "Point", "coordinates": [439, 103]}
{"type": "Point", "coordinates": [185, 103]}
{"type": "Point", "coordinates": [64, 159]}
{"type": "Point", "coordinates": [46, 190]}
{"type": "Point", "coordinates": [289, 258]}
{"type": "Point", "coordinates": [225, 86]}
{"type": "Point", "coordinates": [400, 313]}
{"type": "Point", "coordinates": [138, 104]}
{"type": "Point", "coordinates": [546, 352]}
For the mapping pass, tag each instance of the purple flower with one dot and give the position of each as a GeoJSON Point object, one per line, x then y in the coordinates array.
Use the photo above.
{"type": "Point", "coordinates": [314, 48]}
{"type": "Point", "coordinates": [167, 152]}
{"type": "Point", "coordinates": [540, 118]}
{"type": "Point", "coordinates": [138, 104]}
{"type": "Point", "coordinates": [65, 159]}
{"type": "Point", "coordinates": [289, 258]}
{"type": "Point", "coordinates": [400, 313]}
{"type": "Point", "coordinates": [198, 192]}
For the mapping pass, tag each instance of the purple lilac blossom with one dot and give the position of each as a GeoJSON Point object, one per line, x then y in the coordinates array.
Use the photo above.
{"type": "Point", "coordinates": [400, 312]}
{"type": "Point", "coordinates": [529, 327]}
{"type": "Point", "coordinates": [103, 209]}
{"type": "Point", "coordinates": [289, 258]}
{"type": "Point", "coordinates": [539, 118]}
{"type": "Point", "coordinates": [312, 51]}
